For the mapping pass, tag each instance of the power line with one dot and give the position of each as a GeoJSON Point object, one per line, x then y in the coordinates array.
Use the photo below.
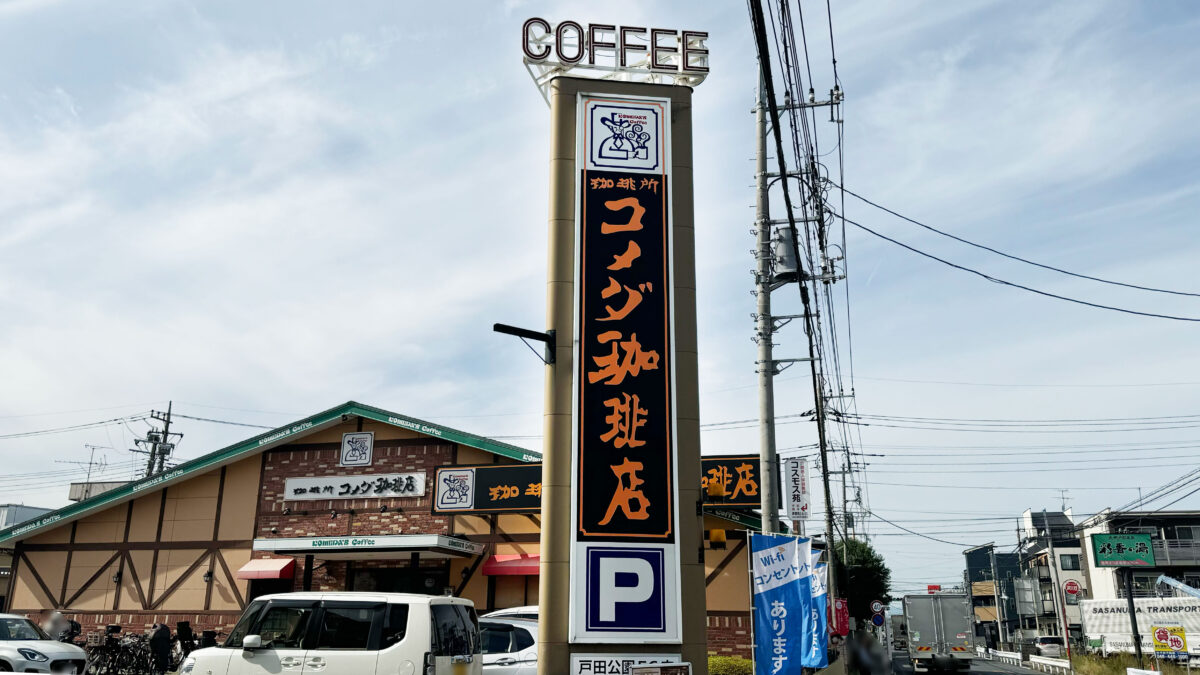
{"type": "Point", "coordinates": [923, 536]}
{"type": "Point", "coordinates": [1011, 284]}
{"type": "Point", "coordinates": [215, 421]}
{"type": "Point", "coordinates": [1030, 384]}
{"type": "Point", "coordinates": [74, 427]}
{"type": "Point", "coordinates": [1016, 257]}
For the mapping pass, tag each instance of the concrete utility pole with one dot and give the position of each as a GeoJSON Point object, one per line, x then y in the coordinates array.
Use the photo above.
{"type": "Point", "coordinates": [768, 460]}
{"type": "Point", "coordinates": [1059, 602]}
{"type": "Point", "coordinates": [996, 593]}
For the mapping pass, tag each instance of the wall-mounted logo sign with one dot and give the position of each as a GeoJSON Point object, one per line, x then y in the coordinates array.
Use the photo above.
{"type": "Point", "coordinates": [357, 448]}
{"type": "Point", "coordinates": [377, 486]}
{"type": "Point", "coordinates": [625, 500]}
{"type": "Point", "coordinates": [497, 488]}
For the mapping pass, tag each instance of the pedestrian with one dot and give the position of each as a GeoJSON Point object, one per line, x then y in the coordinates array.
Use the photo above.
{"type": "Point", "coordinates": [160, 647]}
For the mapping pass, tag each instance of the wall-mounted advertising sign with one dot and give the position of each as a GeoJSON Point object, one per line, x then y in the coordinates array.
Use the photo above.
{"type": "Point", "coordinates": [625, 563]}
{"type": "Point", "coordinates": [497, 488]}
{"type": "Point", "coordinates": [374, 486]}
{"type": "Point", "coordinates": [1123, 550]}
{"type": "Point", "coordinates": [738, 474]}
{"type": "Point", "coordinates": [795, 481]}
{"type": "Point", "coordinates": [517, 488]}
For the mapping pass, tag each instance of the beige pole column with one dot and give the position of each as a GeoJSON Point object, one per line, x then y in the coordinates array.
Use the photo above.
{"type": "Point", "coordinates": [557, 528]}
{"type": "Point", "coordinates": [554, 584]}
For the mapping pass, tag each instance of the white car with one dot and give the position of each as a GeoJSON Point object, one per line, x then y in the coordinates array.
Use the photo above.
{"type": "Point", "coordinates": [25, 648]}
{"type": "Point", "coordinates": [344, 633]}
{"type": "Point", "coordinates": [1050, 646]}
{"type": "Point", "coordinates": [509, 646]}
{"type": "Point", "coordinates": [528, 613]}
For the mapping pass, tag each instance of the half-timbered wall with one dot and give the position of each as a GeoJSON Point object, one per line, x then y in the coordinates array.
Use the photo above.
{"type": "Point", "coordinates": [166, 555]}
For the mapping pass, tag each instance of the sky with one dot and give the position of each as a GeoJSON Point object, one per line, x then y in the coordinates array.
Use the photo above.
{"type": "Point", "coordinates": [261, 210]}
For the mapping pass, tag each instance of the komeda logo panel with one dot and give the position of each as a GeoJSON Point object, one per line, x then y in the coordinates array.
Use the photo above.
{"type": "Point", "coordinates": [624, 452]}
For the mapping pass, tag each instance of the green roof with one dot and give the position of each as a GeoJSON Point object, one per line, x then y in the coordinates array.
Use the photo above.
{"type": "Point", "coordinates": [253, 446]}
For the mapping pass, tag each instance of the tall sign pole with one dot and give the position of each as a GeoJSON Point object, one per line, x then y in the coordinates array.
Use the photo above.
{"type": "Point", "coordinates": [622, 569]}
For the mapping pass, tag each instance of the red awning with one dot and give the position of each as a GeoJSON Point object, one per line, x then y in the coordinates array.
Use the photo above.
{"type": "Point", "coordinates": [513, 564]}
{"type": "Point", "coordinates": [268, 568]}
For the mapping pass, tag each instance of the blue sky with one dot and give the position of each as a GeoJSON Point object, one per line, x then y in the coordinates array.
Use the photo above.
{"type": "Point", "coordinates": [260, 210]}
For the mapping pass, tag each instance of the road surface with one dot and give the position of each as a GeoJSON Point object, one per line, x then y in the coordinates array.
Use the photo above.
{"type": "Point", "coordinates": [902, 666]}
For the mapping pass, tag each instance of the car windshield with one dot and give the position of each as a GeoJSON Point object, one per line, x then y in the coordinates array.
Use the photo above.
{"type": "Point", "coordinates": [21, 629]}
{"type": "Point", "coordinates": [1050, 640]}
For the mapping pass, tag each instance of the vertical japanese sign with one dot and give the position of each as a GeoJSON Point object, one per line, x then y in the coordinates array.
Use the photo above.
{"type": "Point", "coordinates": [782, 604]}
{"type": "Point", "coordinates": [816, 652]}
{"type": "Point", "coordinates": [625, 562]}
{"type": "Point", "coordinates": [795, 480]}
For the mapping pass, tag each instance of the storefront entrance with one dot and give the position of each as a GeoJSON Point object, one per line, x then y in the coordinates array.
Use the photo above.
{"type": "Point", "coordinates": [430, 578]}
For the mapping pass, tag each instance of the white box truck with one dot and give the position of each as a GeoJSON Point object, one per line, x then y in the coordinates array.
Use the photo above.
{"type": "Point", "coordinates": [941, 634]}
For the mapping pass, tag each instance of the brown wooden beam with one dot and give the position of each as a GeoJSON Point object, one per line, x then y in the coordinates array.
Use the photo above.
{"type": "Point", "coordinates": [237, 594]}
{"type": "Point", "coordinates": [137, 583]}
{"type": "Point", "coordinates": [62, 594]}
{"type": "Point", "coordinates": [712, 576]}
{"type": "Point", "coordinates": [92, 579]}
{"type": "Point", "coordinates": [462, 585]}
{"type": "Point", "coordinates": [179, 582]}
{"type": "Point", "coordinates": [208, 585]}
{"type": "Point", "coordinates": [162, 509]}
{"type": "Point", "coordinates": [38, 578]}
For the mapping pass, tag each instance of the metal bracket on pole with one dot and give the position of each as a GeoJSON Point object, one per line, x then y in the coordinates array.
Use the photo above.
{"type": "Point", "coordinates": [525, 334]}
{"type": "Point", "coordinates": [780, 365]}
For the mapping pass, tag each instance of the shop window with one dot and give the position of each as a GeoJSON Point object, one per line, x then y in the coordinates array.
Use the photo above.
{"type": "Point", "coordinates": [1069, 561]}
{"type": "Point", "coordinates": [345, 628]}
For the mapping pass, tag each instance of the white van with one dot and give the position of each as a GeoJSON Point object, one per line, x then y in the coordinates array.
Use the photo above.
{"type": "Point", "coordinates": [335, 633]}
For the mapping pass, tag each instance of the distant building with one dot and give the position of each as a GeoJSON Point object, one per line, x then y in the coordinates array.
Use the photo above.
{"type": "Point", "coordinates": [13, 514]}
{"type": "Point", "coordinates": [1175, 539]}
{"type": "Point", "coordinates": [1046, 577]}
{"type": "Point", "coordinates": [995, 618]}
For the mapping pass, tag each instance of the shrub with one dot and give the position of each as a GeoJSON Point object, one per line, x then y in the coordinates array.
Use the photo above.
{"type": "Point", "coordinates": [729, 665]}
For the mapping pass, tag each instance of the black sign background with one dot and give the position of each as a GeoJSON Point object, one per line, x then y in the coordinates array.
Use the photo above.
{"type": "Point", "coordinates": [502, 478]}
{"type": "Point", "coordinates": [649, 322]}
{"type": "Point", "coordinates": [489, 476]}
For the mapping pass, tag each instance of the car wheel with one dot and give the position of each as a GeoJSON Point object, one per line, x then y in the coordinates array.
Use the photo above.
{"type": "Point", "coordinates": [5, 668]}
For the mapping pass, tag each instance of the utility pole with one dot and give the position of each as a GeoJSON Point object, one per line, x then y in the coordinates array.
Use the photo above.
{"type": "Point", "coordinates": [1060, 605]}
{"type": "Point", "coordinates": [158, 443]}
{"type": "Point", "coordinates": [996, 586]}
{"type": "Point", "coordinates": [768, 460]}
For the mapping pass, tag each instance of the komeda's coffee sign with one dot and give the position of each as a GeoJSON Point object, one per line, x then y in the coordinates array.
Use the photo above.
{"type": "Point", "coordinates": [612, 47]}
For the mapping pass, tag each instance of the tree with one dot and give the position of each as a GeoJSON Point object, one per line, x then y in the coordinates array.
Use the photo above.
{"type": "Point", "coordinates": [865, 577]}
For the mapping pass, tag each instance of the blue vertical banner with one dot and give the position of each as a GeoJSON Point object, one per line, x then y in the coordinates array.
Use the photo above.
{"type": "Point", "coordinates": [780, 569]}
{"type": "Point", "coordinates": [816, 652]}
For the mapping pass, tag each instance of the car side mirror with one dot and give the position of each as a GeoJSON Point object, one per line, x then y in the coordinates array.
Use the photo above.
{"type": "Point", "coordinates": [252, 642]}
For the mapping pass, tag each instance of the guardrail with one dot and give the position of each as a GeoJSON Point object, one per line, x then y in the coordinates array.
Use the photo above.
{"type": "Point", "coordinates": [1013, 658]}
{"type": "Point", "coordinates": [983, 652]}
{"type": "Point", "coordinates": [1048, 665]}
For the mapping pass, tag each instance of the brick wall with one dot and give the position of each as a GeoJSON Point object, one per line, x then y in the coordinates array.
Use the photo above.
{"type": "Point", "coordinates": [412, 515]}
{"type": "Point", "coordinates": [141, 622]}
{"type": "Point", "coordinates": [729, 634]}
